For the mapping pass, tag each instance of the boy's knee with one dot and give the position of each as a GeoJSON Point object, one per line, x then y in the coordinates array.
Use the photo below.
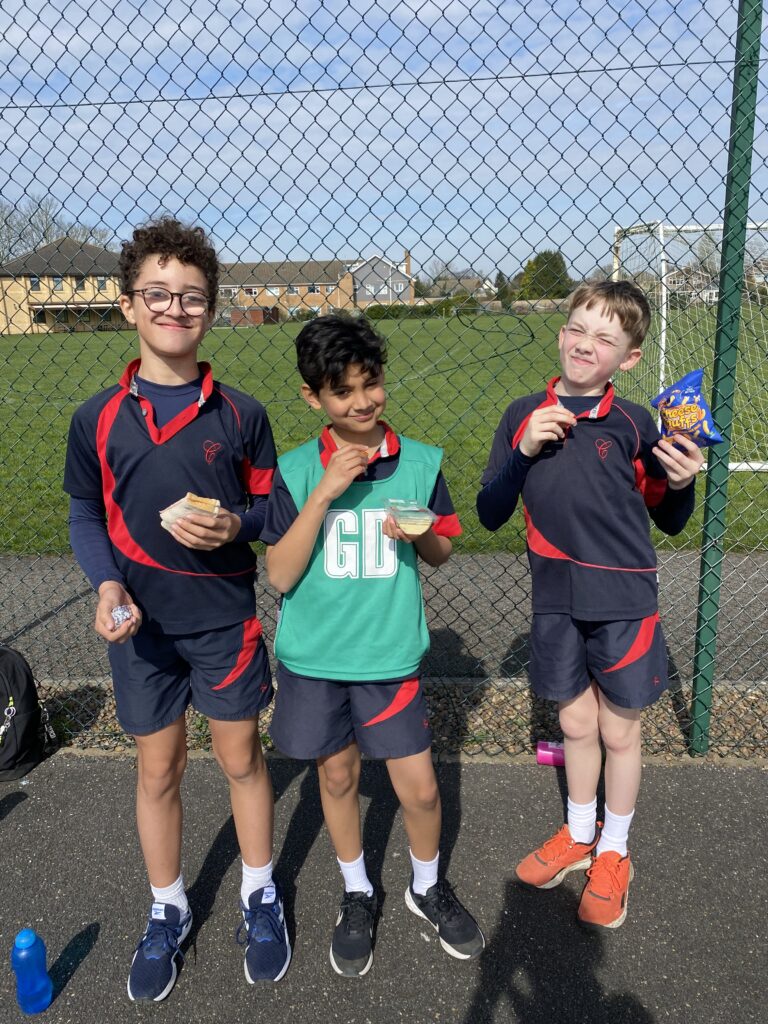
{"type": "Point", "coordinates": [340, 780]}
{"type": "Point", "coordinates": [158, 777]}
{"type": "Point", "coordinates": [241, 766]}
{"type": "Point", "coordinates": [620, 737]}
{"type": "Point", "coordinates": [424, 798]}
{"type": "Point", "coordinates": [577, 726]}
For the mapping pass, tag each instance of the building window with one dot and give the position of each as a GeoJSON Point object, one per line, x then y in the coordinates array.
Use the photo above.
{"type": "Point", "coordinates": [79, 284]}
{"type": "Point", "coordinates": [61, 316]}
{"type": "Point", "coordinates": [227, 293]}
{"type": "Point", "coordinates": [313, 289]}
{"type": "Point", "coordinates": [292, 289]}
{"type": "Point", "coordinates": [273, 292]}
{"type": "Point", "coordinates": [34, 283]}
{"type": "Point", "coordinates": [399, 287]}
{"type": "Point", "coordinates": [250, 291]}
{"type": "Point", "coordinates": [330, 289]}
{"type": "Point", "coordinates": [101, 282]}
{"type": "Point", "coordinates": [58, 283]}
{"type": "Point", "coordinates": [39, 316]}
{"type": "Point", "coordinates": [370, 289]}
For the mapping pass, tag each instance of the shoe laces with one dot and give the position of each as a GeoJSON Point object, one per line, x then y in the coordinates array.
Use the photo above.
{"type": "Point", "coordinates": [160, 938]}
{"type": "Point", "coordinates": [556, 846]}
{"type": "Point", "coordinates": [261, 924]}
{"type": "Point", "coordinates": [603, 874]}
{"type": "Point", "coordinates": [444, 900]}
{"type": "Point", "coordinates": [356, 912]}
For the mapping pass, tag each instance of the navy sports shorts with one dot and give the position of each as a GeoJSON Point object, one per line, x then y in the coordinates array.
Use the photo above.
{"type": "Point", "coordinates": [316, 717]}
{"type": "Point", "coordinates": [224, 673]}
{"type": "Point", "coordinates": [626, 658]}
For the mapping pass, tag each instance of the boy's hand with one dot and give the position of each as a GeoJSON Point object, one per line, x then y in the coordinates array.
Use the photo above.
{"type": "Point", "coordinates": [548, 424]}
{"type": "Point", "coordinates": [344, 465]}
{"type": "Point", "coordinates": [113, 595]}
{"type": "Point", "coordinates": [681, 467]}
{"type": "Point", "coordinates": [390, 529]}
{"type": "Point", "coordinates": [206, 533]}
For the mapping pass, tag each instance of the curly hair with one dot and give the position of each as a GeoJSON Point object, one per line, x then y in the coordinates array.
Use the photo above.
{"type": "Point", "coordinates": [328, 345]}
{"type": "Point", "coordinates": [169, 239]}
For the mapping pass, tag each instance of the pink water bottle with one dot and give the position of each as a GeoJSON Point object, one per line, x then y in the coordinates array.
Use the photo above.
{"type": "Point", "coordinates": [550, 753]}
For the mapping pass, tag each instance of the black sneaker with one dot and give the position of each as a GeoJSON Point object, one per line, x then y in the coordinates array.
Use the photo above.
{"type": "Point", "coordinates": [154, 965]}
{"type": "Point", "coordinates": [352, 946]}
{"type": "Point", "coordinates": [457, 929]}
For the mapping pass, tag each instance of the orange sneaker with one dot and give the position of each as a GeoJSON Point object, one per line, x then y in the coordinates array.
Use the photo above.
{"type": "Point", "coordinates": [547, 867]}
{"type": "Point", "coordinates": [604, 900]}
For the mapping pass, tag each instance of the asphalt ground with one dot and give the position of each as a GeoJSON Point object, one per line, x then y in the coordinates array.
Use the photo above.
{"type": "Point", "coordinates": [692, 949]}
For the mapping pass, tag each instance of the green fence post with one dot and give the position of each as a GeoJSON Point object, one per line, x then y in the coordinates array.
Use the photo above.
{"type": "Point", "coordinates": [726, 345]}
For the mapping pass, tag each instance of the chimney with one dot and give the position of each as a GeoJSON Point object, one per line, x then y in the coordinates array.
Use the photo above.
{"type": "Point", "coordinates": [407, 261]}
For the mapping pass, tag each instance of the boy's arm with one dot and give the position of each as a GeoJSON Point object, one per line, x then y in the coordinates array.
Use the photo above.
{"type": "Point", "coordinates": [93, 550]}
{"type": "Point", "coordinates": [498, 499]}
{"type": "Point", "coordinates": [669, 482]}
{"type": "Point", "coordinates": [288, 558]}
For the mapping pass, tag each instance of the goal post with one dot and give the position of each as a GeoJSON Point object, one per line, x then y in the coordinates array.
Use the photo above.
{"type": "Point", "coordinates": [678, 268]}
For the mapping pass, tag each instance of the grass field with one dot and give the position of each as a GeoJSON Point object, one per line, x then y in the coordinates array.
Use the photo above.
{"type": "Point", "coordinates": [448, 383]}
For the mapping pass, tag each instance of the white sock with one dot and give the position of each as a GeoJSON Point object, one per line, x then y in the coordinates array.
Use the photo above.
{"type": "Point", "coordinates": [173, 894]}
{"type": "Point", "coordinates": [582, 819]}
{"type": "Point", "coordinates": [424, 873]}
{"type": "Point", "coordinates": [355, 875]}
{"type": "Point", "coordinates": [253, 879]}
{"type": "Point", "coordinates": [615, 833]}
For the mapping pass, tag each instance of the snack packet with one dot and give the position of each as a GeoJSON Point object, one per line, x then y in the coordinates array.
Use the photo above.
{"type": "Point", "coordinates": [412, 518]}
{"type": "Point", "coordinates": [684, 410]}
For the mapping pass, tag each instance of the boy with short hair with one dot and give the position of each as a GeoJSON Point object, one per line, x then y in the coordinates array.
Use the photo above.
{"type": "Point", "coordinates": [177, 605]}
{"type": "Point", "coordinates": [352, 630]}
{"type": "Point", "coordinates": [590, 467]}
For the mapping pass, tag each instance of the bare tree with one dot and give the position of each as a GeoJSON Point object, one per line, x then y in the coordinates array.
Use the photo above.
{"type": "Point", "coordinates": [39, 219]}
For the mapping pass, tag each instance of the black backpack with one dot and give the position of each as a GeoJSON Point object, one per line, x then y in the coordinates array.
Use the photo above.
{"type": "Point", "coordinates": [26, 736]}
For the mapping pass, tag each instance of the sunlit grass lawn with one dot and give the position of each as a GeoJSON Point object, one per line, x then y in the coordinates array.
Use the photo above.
{"type": "Point", "coordinates": [448, 382]}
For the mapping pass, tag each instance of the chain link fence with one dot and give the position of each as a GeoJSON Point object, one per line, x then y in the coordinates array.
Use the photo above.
{"type": "Point", "coordinates": [451, 171]}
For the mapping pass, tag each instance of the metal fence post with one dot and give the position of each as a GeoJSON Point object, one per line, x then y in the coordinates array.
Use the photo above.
{"type": "Point", "coordinates": [743, 110]}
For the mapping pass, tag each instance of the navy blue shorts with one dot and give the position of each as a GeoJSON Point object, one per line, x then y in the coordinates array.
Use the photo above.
{"type": "Point", "coordinates": [626, 658]}
{"type": "Point", "coordinates": [224, 673]}
{"type": "Point", "coordinates": [316, 717]}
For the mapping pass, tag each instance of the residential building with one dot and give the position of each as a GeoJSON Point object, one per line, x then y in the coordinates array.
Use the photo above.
{"type": "Point", "coordinates": [63, 286]}
{"type": "Point", "coordinates": [72, 286]}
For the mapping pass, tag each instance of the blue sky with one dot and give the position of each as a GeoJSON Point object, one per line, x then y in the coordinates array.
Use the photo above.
{"type": "Point", "coordinates": [478, 132]}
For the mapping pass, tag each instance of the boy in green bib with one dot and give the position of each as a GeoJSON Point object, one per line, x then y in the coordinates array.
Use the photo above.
{"type": "Point", "coordinates": [352, 630]}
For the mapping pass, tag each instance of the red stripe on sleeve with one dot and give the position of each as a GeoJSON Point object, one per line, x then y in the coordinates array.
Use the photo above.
{"type": "Point", "coordinates": [255, 480]}
{"type": "Point", "coordinates": [447, 526]}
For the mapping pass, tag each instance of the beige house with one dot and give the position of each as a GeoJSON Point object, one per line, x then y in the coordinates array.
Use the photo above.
{"type": "Point", "coordinates": [73, 286]}
{"type": "Point", "coordinates": [63, 286]}
{"type": "Point", "coordinates": [250, 292]}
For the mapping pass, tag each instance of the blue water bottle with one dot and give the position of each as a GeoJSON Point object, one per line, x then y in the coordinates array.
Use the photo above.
{"type": "Point", "coordinates": [34, 988]}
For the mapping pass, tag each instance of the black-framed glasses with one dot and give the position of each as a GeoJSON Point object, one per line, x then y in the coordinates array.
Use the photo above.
{"type": "Point", "coordinates": [158, 300]}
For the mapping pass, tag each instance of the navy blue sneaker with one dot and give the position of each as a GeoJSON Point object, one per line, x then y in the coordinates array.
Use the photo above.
{"type": "Point", "coordinates": [153, 968]}
{"type": "Point", "coordinates": [457, 930]}
{"type": "Point", "coordinates": [267, 949]}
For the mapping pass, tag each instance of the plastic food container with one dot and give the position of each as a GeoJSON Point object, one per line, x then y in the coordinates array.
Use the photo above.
{"type": "Point", "coordinates": [412, 518]}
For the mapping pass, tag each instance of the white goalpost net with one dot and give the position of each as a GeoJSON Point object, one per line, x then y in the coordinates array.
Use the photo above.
{"type": "Point", "coordinates": [678, 267]}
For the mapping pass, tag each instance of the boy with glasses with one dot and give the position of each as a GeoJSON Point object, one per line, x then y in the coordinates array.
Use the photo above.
{"type": "Point", "coordinates": [176, 602]}
{"type": "Point", "coordinates": [590, 468]}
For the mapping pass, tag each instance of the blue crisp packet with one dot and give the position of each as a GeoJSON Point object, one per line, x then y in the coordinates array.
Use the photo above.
{"type": "Point", "coordinates": [684, 410]}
